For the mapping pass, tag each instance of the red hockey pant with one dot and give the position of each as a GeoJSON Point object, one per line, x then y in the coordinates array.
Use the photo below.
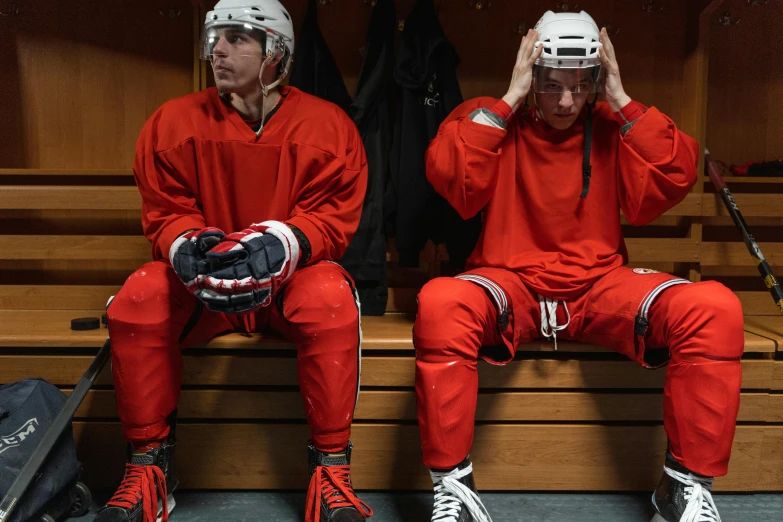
{"type": "Point", "coordinates": [154, 316]}
{"type": "Point", "coordinates": [701, 324]}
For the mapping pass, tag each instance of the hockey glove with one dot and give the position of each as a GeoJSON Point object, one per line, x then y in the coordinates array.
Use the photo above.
{"type": "Point", "coordinates": [247, 268]}
{"type": "Point", "coordinates": [188, 255]}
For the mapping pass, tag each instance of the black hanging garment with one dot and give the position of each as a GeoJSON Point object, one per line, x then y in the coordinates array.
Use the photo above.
{"type": "Point", "coordinates": [317, 73]}
{"type": "Point", "coordinates": [314, 70]}
{"type": "Point", "coordinates": [365, 258]}
{"type": "Point", "coordinates": [426, 75]}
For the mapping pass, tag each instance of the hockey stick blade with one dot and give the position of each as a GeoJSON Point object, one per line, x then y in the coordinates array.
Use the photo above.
{"type": "Point", "coordinates": [753, 248]}
{"type": "Point", "coordinates": [31, 467]}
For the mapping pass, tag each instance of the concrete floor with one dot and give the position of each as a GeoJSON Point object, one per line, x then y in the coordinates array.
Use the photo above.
{"type": "Point", "coordinates": [201, 506]}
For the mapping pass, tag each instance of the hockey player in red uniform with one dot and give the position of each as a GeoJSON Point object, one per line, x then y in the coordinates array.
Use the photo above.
{"type": "Point", "coordinates": [249, 191]}
{"type": "Point", "coordinates": [551, 182]}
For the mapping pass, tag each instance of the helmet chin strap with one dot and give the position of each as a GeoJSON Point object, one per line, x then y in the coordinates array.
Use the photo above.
{"type": "Point", "coordinates": [265, 92]}
{"type": "Point", "coordinates": [587, 168]}
{"type": "Point", "coordinates": [265, 89]}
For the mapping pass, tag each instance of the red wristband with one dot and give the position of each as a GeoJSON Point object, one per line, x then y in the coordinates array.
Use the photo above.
{"type": "Point", "coordinates": [632, 111]}
{"type": "Point", "coordinates": [502, 109]}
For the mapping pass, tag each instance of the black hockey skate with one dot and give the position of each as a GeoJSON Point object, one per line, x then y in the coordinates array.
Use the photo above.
{"type": "Point", "coordinates": [456, 498]}
{"type": "Point", "coordinates": [683, 496]}
{"type": "Point", "coordinates": [330, 497]}
{"type": "Point", "coordinates": [145, 494]}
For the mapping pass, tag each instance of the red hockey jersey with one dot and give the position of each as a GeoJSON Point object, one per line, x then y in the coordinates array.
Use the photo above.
{"type": "Point", "coordinates": [527, 179]}
{"type": "Point", "coordinates": [198, 164]}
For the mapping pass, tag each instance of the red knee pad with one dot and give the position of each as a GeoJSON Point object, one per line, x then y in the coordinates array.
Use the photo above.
{"type": "Point", "coordinates": [449, 308]}
{"type": "Point", "coordinates": [146, 297]}
{"type": "Point", "coordinates": [708, 318]}
{"type": "Point", "coordinates": [328, 304]}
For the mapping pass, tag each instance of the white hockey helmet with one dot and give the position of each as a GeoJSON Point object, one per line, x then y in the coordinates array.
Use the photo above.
{"type": "Point", "coordinates": [267, 20]}
{"type": "Point", "coordinates": [570, 40]}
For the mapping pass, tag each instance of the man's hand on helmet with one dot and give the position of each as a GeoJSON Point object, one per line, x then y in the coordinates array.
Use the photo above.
{"type": "Point", "coordinates": [614, 92]}
{"type": "Point", "coordinates": [522, 75]}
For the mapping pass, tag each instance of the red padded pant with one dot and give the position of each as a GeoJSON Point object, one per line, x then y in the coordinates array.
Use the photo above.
{"type": "Point", "coordinates": [701, 324]}
{"type": "Point", "coordinates": [154, 316]}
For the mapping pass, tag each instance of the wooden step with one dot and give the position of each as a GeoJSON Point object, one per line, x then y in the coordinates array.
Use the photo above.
{"type": "Point", "coordinates": [736, 254]}
{"type": "Point", "coordinates": [32, 247]}
{"type": "Point", "coordinates": [770, 327]}
{"type": "Point", "coordinates": [387, 456]}
{"type": "Point", "coordinates": [777, 376]}
{"type": "Point", "coordinates": [69, 197]}
{"type": "Point", "coordinates": [23, 172]}
{"type": "Point", "coordinates": [750, 205]}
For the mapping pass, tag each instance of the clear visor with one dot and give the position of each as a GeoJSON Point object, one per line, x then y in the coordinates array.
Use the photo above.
{"type": "Point", "coordinates": [549, 80]}
{"type": "Point", "coordinates": [234, 40]}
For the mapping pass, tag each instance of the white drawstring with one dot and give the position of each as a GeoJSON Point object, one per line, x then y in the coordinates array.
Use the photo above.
{"type": "Point", "coordinates": [451, 495]}
{"type": "Point", "coordinates": [549, 326]}
{"type": "Point", "coordinates": [700, 507]}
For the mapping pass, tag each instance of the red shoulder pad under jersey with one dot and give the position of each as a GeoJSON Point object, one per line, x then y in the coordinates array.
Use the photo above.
{"type": "Point", "coordinates": [657, 167]}
{"type": "Point", "coordinates": [462, 160]}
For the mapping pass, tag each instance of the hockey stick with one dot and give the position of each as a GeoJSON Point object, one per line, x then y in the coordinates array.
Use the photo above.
{"type": "Point", "coordinates": [753, 247]}
{"type": "Point", "coordinates": [51, 436]}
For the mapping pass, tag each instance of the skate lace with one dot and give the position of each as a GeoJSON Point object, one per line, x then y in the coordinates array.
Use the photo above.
{"type": "Point", "coordinates": [451, 495]}
{"type": "Point", "coordinates": [700, 507]}
{"type": "Point", "coordinates": [146, 484]}
{"type": "Point", "coordinates": [333, 485]}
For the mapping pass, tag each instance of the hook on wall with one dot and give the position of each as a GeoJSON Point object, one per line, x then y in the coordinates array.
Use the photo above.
{"type": "Point", "coordinates": [565, 6]}
{"type": "Point", "coordinates": [11, 10]}
{"type": "Point", "coordinates": [324, 2]}
{"type": "Point", "coordinates": [171, 13]}
{"type": "Point", "coordinates": [521, 28]}
{"type": "Point", "coordinates": [726, 19]}
{"type": "Point", "coordinates": [480, 4]}
{"type": "Point", "coordinates": [652, 5]}
{"type": "Point", "coordinates": [370, 3]}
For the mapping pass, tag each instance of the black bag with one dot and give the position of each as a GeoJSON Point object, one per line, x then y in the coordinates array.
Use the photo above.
{"type": "Point", "coordinates": [27, 409]}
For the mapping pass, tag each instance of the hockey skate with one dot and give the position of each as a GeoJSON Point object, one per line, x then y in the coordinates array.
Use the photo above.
{"type": "Point", "coordinates": [145, 494]}
{"type": "Point", "coordinates": [683, 496]}
{"type": "Point", "coordinates": [330, 497]}
{"type": "Point", "coordinates": [456, 499]}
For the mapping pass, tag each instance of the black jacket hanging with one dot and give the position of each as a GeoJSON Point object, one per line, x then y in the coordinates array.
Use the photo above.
{"type": "Point", "coordinates": [426, 75]}
{"type": "Point", "coordinates": [316, 73]}
{"type": "Point", "coordinates": [365, 258]}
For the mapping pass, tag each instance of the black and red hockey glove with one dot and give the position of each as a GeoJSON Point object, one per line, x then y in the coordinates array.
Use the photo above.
{"type": "Point", "coordinates": [188, 255]}
{"type": "Point", "coordinates": [248, 267]}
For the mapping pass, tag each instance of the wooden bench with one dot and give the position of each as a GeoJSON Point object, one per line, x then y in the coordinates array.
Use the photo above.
{"type": "Point", "coordinates": [584, 417]}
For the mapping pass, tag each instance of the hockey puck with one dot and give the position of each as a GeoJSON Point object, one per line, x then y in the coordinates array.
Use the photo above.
{"type": "Point", "coordinates": [85, 323]}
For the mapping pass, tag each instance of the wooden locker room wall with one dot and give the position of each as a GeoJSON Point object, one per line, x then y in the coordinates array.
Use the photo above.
{"type": "Point", "coordinates": [116, 64]}
{"type": "Point", "coordinates": [80, 78]}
